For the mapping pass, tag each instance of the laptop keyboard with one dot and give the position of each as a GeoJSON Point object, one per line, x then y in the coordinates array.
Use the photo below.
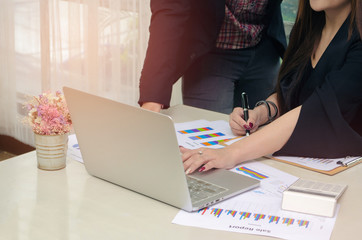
{"type": "Point", "coordinates": [201, 190]}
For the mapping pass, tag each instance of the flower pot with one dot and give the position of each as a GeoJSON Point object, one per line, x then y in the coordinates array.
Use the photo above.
{"type": "Point", "coordinates": [51, 151]}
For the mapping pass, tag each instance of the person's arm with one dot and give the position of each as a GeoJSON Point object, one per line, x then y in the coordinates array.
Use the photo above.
{"type": "Point", "coordinates": [266, 141]}
{"type": "Point", "coordinates": [164, 55]}
{"type": "Point", "coordinates": [327, 125]}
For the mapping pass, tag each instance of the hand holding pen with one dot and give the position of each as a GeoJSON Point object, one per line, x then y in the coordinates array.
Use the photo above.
{"type": "Point", "coordinates": [245, 106]}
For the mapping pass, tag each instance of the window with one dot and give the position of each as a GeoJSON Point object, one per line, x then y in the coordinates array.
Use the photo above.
{"type": "Point", "coordinates": [289, 12]}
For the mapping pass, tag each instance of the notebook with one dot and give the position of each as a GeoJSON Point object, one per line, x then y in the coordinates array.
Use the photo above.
{"type": "Point", "coordinates": [137, 149]}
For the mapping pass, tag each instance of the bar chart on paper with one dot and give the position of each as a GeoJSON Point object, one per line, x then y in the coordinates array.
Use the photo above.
{"type": "Point", "coordinates": [202, 133]}
{"type": "Point", "coordinates": [205, 140]}
{"type": "Point", "coordinates": [259, 210]}
{"type": "Point", "coordinates": [255, 218]}
{"type": "Point", "coordinates": [195, 130]}
{"type": "Point", "coordinates": [251, 173]}
{"type": "Point", "coordinates": [211, 135]}
{"type": "Point", "coordinates": [261, 219]}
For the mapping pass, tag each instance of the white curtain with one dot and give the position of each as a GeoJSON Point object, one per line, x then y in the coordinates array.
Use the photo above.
{"type": "Point", "coordinates": [94, 45]}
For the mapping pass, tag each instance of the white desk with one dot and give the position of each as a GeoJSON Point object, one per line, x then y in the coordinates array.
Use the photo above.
{"type": "Point", "coordinates": [70, 204]}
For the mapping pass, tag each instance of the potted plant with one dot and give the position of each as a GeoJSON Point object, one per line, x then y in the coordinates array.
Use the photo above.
{"type": "Point", "coordinates": [49, 118]}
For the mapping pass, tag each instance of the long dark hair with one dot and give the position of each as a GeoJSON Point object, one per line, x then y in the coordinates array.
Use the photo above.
{"type": "Point", "coordinates": [304, 37]}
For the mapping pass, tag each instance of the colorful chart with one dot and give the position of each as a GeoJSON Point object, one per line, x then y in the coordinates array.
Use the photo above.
{"type": "Point", "coordinates": [303, 223]}
{"type": "Point", "coordinates": [211, 135]}
{"type": "Point", "coordinates": [258, 216]}
{"type": "Point", "coordinates": [188, 131]}
{"type": "Point", "coordinates": [245, 216]}
{"type": "Point", "coordinates": [251, 173]}
{"type": "Point", "coordinates": [273, 219]}
{"type": "Point", "coordinates": [288, 221]}
{"type": "Point", "coordinates": [211, 143]}
{"type": "Point", "coordinates": [231, 212]}
{"type": "Point", "coordinates": [203, 210]}
{"type": "Point", "coordinates": [216, 212]}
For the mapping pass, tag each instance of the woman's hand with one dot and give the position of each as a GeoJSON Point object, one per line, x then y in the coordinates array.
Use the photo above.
{"type": "Point", "coordinates": [204, 159]}
{"type": "Point", "coordinates": [156, 107]}
{"type": "Point", "coordinates": [239, 126]}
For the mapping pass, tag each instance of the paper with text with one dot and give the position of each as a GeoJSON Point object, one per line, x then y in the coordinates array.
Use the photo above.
{"type": "Point", "coordinates": [259, 211]}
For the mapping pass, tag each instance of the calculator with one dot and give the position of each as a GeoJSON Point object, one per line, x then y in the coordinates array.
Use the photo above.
{"type": "Point", "coordinates": [312, 197]}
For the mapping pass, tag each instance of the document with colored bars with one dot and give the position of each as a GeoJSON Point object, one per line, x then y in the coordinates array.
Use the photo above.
{"type": "Point", "coordinates": [259, 211]}
{"type": "Point", "coordinates": [203, 133]}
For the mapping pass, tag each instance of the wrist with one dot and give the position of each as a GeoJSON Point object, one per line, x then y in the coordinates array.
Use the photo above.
{"type": "Point", "coordinates": [262, 114]}
{"type": "Point", "coordinates": [236, 153]}
{"type": "Point", "coordinates": [271, 111]}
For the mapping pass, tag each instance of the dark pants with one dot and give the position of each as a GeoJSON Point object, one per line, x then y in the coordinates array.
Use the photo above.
{"type": "Point", "coordinates": [216, 80]}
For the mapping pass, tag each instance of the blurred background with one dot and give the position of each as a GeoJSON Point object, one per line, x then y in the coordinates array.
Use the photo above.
{"type": "Point", "coordinates": [94, 45]}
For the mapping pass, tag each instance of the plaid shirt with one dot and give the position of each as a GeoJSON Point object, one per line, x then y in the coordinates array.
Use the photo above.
{"type": "Point", "coordinates": [243, 24]}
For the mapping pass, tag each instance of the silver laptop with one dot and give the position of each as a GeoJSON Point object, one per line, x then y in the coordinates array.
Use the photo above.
{"type": "Point", "coordinates": [138, 150]}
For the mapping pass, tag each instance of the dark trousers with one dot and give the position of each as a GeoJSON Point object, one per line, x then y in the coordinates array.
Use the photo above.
{"type": "Point", "coordinates": [216, 80]}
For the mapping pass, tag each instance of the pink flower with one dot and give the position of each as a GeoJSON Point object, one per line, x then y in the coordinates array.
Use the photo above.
{"type": "Point", "coordinates": [48, 114]}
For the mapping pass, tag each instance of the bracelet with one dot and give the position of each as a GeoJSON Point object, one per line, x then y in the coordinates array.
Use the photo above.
{"type": "Point", "coordinates": [266, 103]}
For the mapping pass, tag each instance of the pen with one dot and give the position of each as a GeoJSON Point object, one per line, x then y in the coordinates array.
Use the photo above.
{"type": "Point", "coordinates": [245, 106]}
